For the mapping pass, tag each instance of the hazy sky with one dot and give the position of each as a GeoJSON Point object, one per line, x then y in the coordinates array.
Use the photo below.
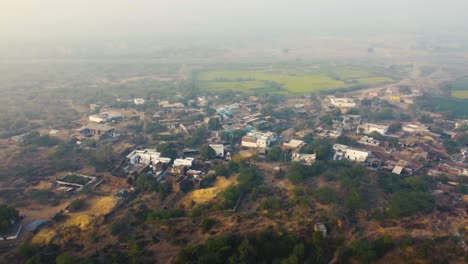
{"type": "Point", "coordinates": [43, 19]}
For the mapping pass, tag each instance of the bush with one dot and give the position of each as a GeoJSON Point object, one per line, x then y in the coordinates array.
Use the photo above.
{"type": "Point", "coordinates": [76, 205]}
{"type": "Point", "coordinates": [325, 195]}
{"type": "Point", "coordinates": [207, 224]}
{"type": "Point", "coordinates": [8, 215]}
{"type": "Point", "coordinates": [409, 202]}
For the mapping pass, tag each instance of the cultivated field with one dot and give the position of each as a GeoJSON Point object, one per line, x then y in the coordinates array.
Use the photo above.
{"type": "Point", "coordinates": [257, 81]}
{"type": "Point", "coordinates": [462, 94]}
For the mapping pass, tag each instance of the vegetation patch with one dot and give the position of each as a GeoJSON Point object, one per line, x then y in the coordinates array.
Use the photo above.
{"type": "Point", "coordinates": [261, 81]}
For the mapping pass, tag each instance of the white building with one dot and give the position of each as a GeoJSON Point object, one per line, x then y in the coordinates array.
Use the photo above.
{"type": "Point", "coordinates": [146, 157]}
{"type": "Point", "coordinates": [105, 117]}
{"type": "Point", "coordinates": [368, 128]}
{"type": "Point", "coordinates": [219, 149]}
{"type": "Point", "coordinates": [139, 101]}
{"type": "Point", "coordinates": [342, 102]}
{"type": "Point", "coordinates": [343, 151]}
{"type": "Point", "coordinates": [187, 162]}
{"type": "Point", "coordinates": [365, 140]}
{"type": "Point", "coordinates": [257, 139]}
{"type": "Point", "coordinates": [306, 159]}
{"type": "Point", "coordinates": [414, 128]}
{"type": "Point", "coordinates": [294, 144]}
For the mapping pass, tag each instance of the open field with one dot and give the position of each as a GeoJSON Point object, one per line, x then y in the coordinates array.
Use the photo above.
{"type": "Point", "coordinates": [273, 82]}
{"type": "Point", "coordinates": [462, 94]}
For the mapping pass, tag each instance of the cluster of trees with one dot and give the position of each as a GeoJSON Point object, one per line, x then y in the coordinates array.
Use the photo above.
{"type": "Point", "coordinates": [147, 183]}
{"type": "Point", "coordinates": [247, 179]}
{"type": "Point", "coordinates": [35, 139]}
{"type": "Point", "coordinates": [323, 148]}
{"type": "Point", "coordinates": [168, 150]}
{"type": "Point", "coordinates": [368, 251]}
{"type": "Point", "coordinates": [408, 195]}
{"type": "Point", "coordinates": [8, 215]}
{"type": "Point", "coordinates": [197, 137]}
{"type": "Point", "coordinates": [267, 246]}
{"type": "Point", "coordinates": [453, 146]}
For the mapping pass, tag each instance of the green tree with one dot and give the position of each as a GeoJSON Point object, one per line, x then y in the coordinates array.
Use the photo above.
{"type": "Point", "coordinates": [426, 119]}
{"type": "Point", "coordinates": [323, 148]}
{"type": "Point", "coordinates": [207, 224]}
{"type": "Point", "coordinates": [246, 254]}
{"type": "Point", "coordinates": [406, 203]}
{"type": "Point", "coordinates": [207, 152]}
{"type": "Point", "coordinates": [325, 195]}
{"type": "Point", "coordinates": [168, 150]}
{"type": "Point", "coordinates": [363, 251]}
{"type": "Point", "coordinates": [65, 258]}
{"type": "Point", "coordinates": [8, 215]}
{"type": "Point", "coordinates": [394, 127]}
{"type": "Point", "coordinates": [146, 182]}
{"type": "Point", "coordinates": [214, 124]}
{"type": "Point", "coordinates": [229, 196]}
{"type": "Point", "coordinates": [354, 201]}
{"type": "Point", "coordinates": [76, 205]}
{"type": "Point", "coordinates": [275, 153]}
{"type": "Point", "coordinates": [451, 146]}
{"type": "Point", "coordinates": [296, 172]}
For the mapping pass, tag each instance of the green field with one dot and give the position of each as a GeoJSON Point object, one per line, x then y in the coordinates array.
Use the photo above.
{"type": "Point", "coordinates": [463, 94]}
{"type": "Point", "coordinates": [262, 81]}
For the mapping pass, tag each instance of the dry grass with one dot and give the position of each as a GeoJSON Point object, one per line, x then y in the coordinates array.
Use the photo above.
{"type": "Point", "coordinates": [84, 220]}
{"type": "Point", "coordinates": [205, 195]}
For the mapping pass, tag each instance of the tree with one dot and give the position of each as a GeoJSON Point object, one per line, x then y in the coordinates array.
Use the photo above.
{"type": "Point", "coordinates": [275, 153]}
{"type": "Point", "coordinates": [363, 251]}
{"type": "Point", "coordinates": [354, 201]}
{"type": "Point", "coordinates": [463, 139]}
{"type": "Point", "coordinates": [207, 224]}
{"type": "Point", "coordinates": [366, 102]}
{"type": "Point", "coordinates": [214, 124]}
{"type": "Point", "coordinates": [164, 189]}
{"type": "Point", "coordinates": [326, 195]}
{"type": "Point", "coordinates": [406, 203]}
{"type": "Point", "coordinates": [394, 127]}
{"type": "Point", "coordinates": [207, 152]}
{"type": "Point", "coordinates": [65, 258]}
{"type": "Point", "coordinates": [426, 119]}
{"type": "Point", "coordinates": [451, 146]}
{"type": "Point", "coordinates": [229, 196]}
{"type": "Point", "coordinates": [322, 148]}
{"type": "Point", "coordinates": [246, 253]}
{"type": "Point", "coordinates": [168, 150]}
{"type": "Point", "coordinates": [344, 140]}
{"type": "Point", "coordinates": [8, 215]}
{"type": "Point", "coordinates": [296, 172]}
{"type": "Point", "coordinates": [76, 205]}
{"type": "Point", "coordinates": [146, 182]}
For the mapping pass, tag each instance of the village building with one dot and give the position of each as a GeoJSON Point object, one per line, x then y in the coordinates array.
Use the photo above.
{"type": "Point", "coordinates": [305, 159]}
{"type": "Point", "coordinates": [257, 139]}
{"type": "Point", "coordinates": [414, 128]}
{"type": "Point", "coordinates": [219, 149]}
{"type": "Point", "coordinates": [105, 117]}
{"type": "Point", "coordinates": [342, 102]}
{"type": "Point", "coordinates": [365, 140]}
{"type": "Point", "coordinates": [329, 133]}
{"type": "Point", "coordinates": [139, 101]}
{"type": "Point", "coordinates": [343, 151]}
{"type": "Point", "coordinates": [320, 227]}
{"type": "Point", "coordinates": [368, 128]}
{"type": "Point", "coordinates": [187, 162]}
{"type": "Point", "coordinates": [97, 130]}
{"type": "Point", "coordinates": [294, 144]}
{"type": "Point", "coordinates": [146, 157]}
